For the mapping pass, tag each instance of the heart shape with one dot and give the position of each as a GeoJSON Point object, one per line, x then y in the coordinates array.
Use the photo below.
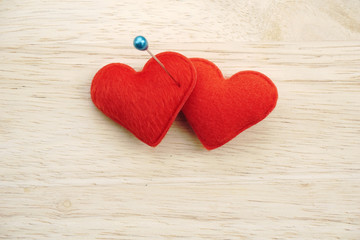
{"type": "Point", "coordinates": [146, 102]}
{"type": "Point", "coordinates": [219, 109]}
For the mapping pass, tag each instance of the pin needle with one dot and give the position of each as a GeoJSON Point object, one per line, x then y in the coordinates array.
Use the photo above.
{"type": "Point", "coordinates": [141, 44]}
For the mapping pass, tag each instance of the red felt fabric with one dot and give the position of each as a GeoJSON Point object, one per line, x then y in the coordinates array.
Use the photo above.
{"type": "Point", "coordinates": [145, 102]}
{"type": "Point", "coordinates": [219, 109]}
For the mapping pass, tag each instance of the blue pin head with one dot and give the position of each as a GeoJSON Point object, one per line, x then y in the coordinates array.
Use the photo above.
{"type": "Point", "coordinates": [141, 43]}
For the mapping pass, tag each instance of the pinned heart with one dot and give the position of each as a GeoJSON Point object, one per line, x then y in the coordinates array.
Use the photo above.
{"type": "Point", "coordinates": [146, 102]}
{"type": "Point", "coordinates": [219, 109]}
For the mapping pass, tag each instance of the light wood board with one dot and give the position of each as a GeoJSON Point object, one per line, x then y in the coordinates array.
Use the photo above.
{"type": "Point", "coordinates": [68, 172]}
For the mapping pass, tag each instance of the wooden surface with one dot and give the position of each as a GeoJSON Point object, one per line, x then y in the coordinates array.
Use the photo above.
{"type": "Point", "coordinates": [68, 172]}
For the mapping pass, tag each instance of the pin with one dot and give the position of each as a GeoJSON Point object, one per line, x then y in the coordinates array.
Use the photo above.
{"type": "Point", "coordinates": [140, 43]}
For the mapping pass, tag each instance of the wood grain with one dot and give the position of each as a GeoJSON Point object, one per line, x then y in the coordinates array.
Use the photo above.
{"type": "Point", "coordinates": [68, 172]}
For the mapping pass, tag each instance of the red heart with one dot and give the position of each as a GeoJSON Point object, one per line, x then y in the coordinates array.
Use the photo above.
{"type": "Point", "coordinates": [219, 109]}
{"type": "Point", "coordinates": [146, 102]}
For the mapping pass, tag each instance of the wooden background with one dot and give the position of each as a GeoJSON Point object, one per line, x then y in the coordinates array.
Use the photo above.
{"type": "Point", "coordinates": [68, 172]}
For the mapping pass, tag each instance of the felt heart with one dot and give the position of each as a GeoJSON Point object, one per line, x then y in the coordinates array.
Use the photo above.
{"type": "Point", "coordinates": [219, 109]}
{"type": "Point", "coordinates": [146, 102]}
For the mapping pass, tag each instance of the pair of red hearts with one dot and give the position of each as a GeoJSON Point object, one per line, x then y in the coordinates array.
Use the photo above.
{"type": "Point", "coordinates": [147, 102]}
